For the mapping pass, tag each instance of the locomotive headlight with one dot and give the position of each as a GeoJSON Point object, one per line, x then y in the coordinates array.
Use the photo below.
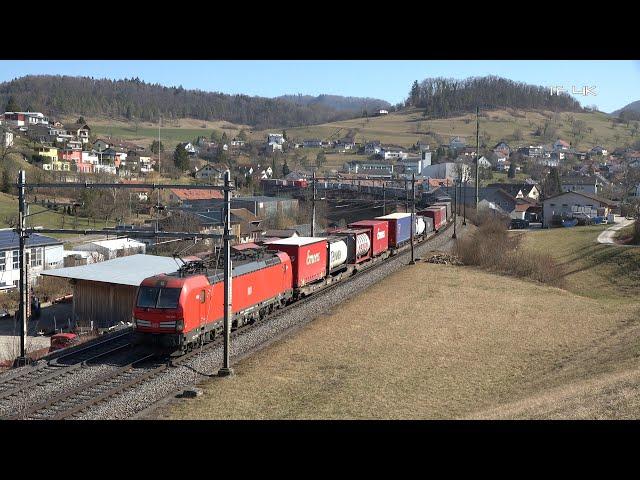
{"type": "Point", "coordinates": [179, 325]}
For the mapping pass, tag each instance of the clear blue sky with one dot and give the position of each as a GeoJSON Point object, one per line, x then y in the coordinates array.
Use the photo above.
{"type": "Point", "coordinates": [617, 82]}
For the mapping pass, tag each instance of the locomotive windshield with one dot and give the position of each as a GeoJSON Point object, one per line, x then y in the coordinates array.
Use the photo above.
{"type": "Point", "coordinates": [154, 297]}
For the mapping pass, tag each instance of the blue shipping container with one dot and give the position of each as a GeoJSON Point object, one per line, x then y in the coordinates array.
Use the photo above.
{"type": "Point", "coordinates": [399, 228]}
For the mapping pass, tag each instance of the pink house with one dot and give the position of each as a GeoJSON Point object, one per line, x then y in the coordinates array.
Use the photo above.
{"type": "Point", "coordinates": [70, 155]}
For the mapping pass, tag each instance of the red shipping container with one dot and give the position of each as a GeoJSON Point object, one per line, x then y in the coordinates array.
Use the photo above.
{"type": "Point", "coordinates": [379, 234]}
{"type": "Point", "coordinates": [437, 214]}
{"type": "Point", "coordinates": [308, 257]}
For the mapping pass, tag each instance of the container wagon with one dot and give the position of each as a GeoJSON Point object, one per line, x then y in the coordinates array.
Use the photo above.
{"type": "Point", "coordinates": [308, 257]}
{"type": "Point", "coordinates": [399, 228]}
{"type": "Point", "coordinates": [378, 233]}
{"type": "Point", "coordinates": [358, 243]}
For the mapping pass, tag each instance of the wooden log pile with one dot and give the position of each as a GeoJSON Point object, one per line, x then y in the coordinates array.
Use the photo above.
{"type": "Point", "coordinates": [442, 258]}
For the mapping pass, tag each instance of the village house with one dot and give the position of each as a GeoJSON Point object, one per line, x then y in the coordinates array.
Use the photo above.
{"type": "Point", "coordinates": [345, 144]}
{"type": "Point", "coordinates": [42, 253]}
{"type": "Point", "coordinates": [382, 112]}
{"type": "Point", "coordinates": [79, 131]}
{"type": "Point", "coordinates": [210, 172]}
{"type": "Point", "coordinates": [369, 167]}
{"type": "Point", "coordinates": [6, 139]}
{"type": "Point", "coordinates": [372, 148]}
{"type": "Point", "coordinates": [532, 151]}
{"type": "Point", "coordinates": [567, 203]}
{"type": "Point", "coordinates": [483, 162]}
{"type": "Point", "coordinates": [457, 143]}
{"type": "Point", "coordinates": [502, 149]}
{"type": "Point", "coordinates": [393, 152]}
{"type": "Point", "coordinates": [561, 145]}
{"type": "Point", "coordinates": [598, 150]}
{"type": "Point", "coordinates": [312, 143]}
{"type": "Point", "coordinates": [236, 142]}
{"type": "Point", "coordinates": [519, 190]}
{"type": "Point", "coordinates": [583, 184]}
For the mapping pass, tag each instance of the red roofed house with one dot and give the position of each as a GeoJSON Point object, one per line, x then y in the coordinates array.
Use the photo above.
{"type": "Point", "coordinates": [182, 195]}
{"type": "Point", "coordinates": [561, 145]}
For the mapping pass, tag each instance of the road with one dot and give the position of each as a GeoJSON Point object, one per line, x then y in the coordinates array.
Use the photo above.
{"type": "Point", "coordinates": [608, 236]}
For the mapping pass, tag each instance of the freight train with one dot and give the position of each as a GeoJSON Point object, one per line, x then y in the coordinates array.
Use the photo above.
{"type": "Point", "coordinates": [177, 311]}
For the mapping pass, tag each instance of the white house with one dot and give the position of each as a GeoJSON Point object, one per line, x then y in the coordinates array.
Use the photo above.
{"type": "Point", "coordinates": [43, 253]}
{"type": "Point", "coordinates": [7, 139]}
{"type": "Point", "coordinates": [567, 203]}
{"type": "Point", "coordinates": [372, 148]}
{"type": "Point", "coordinates": [209, 171]}
{"type": "Point", "coordinates": [383, 112]}
{"type": "Point", "coordinates": [392, 152]}
{"type": "Point", "coordinates": [275, 138]}
{"type": "Point", "coordinates": [483, 162]}
{"type": "Point", "coordinates": [110, 249]}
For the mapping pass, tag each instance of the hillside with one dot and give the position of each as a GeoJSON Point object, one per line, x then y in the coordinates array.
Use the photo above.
{"type": "Point", "coordinates": [405, 128]}
{"type": "Point", "coordinates": [443, 97]}
{"type": "Point", "coordinates": [133, 98]}
{"type": "Point", "coordinates": [338, 102]}
{"type": "Point", "coordinates": [632, 107]}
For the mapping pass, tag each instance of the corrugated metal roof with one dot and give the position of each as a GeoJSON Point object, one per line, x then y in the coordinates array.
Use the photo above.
{"type": "Point", "coordinates": [129, 270]}
{"type": "Point", "coordinates": [9, 240]}
{"type": "Point", "coordinates": [394, 216]}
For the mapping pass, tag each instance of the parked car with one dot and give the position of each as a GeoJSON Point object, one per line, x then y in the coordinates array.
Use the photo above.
{"type": "Point", "coordinates": [4, 314]}
{"type": "Point", "coordinates": [518, 224]}
{"type": "Point", "coordinates": [63, 340]}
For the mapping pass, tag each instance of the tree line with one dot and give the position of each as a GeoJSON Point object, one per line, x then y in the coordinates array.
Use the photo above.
{"type": "Point", "coordinates": [445, 97]}
{"type": "Point", "coordinates": [135, 99]}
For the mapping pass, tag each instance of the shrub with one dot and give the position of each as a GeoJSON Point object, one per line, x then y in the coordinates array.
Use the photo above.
{"type": "Point", "coordinates": [492, 247]}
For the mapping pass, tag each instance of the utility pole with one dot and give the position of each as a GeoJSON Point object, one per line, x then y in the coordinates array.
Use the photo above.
{"type": "Point", "coordinates": [406, 196]}
{"type": "Point", "coordinates": [384, 199]}
{"type": "Point", "coordinates": [464, 201]}
{"type": "Point", "coordinates": [413, 215]}
{"type": "Point", "coordinates": [455, 207]}
{"type": "Point", "coordinates": [24, 280]}
{"type": "Point", "coordinates": [313, 204]}
{"type": "Point", "coordinates": [477, 154]}
{"type": "Point", "coordinates": [226, 369]}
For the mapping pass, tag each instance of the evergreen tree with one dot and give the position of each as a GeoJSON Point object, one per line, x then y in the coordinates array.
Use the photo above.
{"type": "Point", "coordinates": [181, 158]}
{"type": "Point", "coordinates": [285, 169]}
{"type": "Point", "coordinates": [12, 106]}
{"type": "Point", "coordinates": [224, 139]}
{"type": "Point", "coordinates": [512, 170]}
{"type": "Point", "coordinates": [242, 135]}
{"type": "Point", "coordinates": [414, 95]}
{"type": "Point", "coordinates": [215, 136]}
{"type": "Point", "coordinates": [6, 181]}
{"type": "Point", "coordinates": [154, 147]}
{"type": "Point", "coordinates": [284, 135]}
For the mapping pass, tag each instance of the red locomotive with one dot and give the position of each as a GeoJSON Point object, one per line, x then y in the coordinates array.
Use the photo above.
{"type": "Point", "coordinates": [179, 309]}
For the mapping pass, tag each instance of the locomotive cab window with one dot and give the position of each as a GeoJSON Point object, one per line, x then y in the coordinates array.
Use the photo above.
{"type": "Point", "coordinates": [153, 297]}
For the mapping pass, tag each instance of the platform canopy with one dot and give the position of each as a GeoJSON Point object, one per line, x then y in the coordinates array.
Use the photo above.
{"type": "Point", "coordinates": [130, 270]}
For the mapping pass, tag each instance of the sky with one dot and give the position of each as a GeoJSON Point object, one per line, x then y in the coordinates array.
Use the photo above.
{"type": "Point", "coordinates": [614, 82]}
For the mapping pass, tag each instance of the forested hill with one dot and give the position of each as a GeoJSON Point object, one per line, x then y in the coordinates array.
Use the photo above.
{"type": "Point", "coordinates": [133, 98]}
{"type": "Point", "coordinates": [337, 102]}
{"type": "Point", "coordinates": [444, 97]}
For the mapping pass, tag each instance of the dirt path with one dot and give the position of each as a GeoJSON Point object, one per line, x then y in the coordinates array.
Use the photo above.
{"type": "Point", "coordinates": [608, 236]}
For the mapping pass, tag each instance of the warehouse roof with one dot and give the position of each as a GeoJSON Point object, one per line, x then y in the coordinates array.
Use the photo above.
{"type": "Point", "coordinates": [116, 243]}
{"type": "Point", "coordinates": [131, 270]}
{"type": "Point", "coordinates": [9, 240]}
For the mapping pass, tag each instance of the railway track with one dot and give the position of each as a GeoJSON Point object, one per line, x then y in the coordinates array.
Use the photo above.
{"type": "Point", "coordinates": [61, 366]}
{"type": "Point", "coordinates": [72, 403]}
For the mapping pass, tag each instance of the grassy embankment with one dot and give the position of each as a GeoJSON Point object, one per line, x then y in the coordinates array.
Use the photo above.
{"type": "Point", "coordinates": [457, 342]}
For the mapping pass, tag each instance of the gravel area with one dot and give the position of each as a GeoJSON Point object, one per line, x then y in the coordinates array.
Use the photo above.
{"type": "Point", "coordinates": [142, 398]}
{"type": "Point", "coordinates": [64, 381]}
